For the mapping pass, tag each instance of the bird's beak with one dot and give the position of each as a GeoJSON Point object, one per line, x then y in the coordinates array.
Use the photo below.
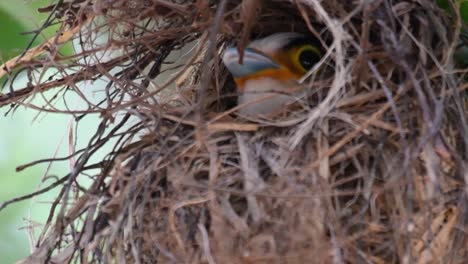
{"type": "Point", "coordinates": [253, 62]}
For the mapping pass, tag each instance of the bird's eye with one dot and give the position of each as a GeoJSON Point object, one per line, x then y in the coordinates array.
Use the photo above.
{"type": "Point", "coordinates": [308, 56]}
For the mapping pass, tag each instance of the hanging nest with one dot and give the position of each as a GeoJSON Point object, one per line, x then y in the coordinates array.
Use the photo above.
{"type": "Point", "coordinates": [369, 167]}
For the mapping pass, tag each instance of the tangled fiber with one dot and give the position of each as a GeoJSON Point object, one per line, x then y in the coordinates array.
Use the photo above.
{"type": "Point", "coordinates": [370, 166]}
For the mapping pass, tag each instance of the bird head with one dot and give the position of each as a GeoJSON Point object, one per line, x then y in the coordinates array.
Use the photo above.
{"type": "Point", "coordinates": [271, 66]}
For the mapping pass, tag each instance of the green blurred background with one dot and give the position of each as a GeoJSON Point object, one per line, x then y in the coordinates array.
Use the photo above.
{"type": "Point", "coordinates": [22, 140]}
{"type": "Point", "coordinates": [27, 135]}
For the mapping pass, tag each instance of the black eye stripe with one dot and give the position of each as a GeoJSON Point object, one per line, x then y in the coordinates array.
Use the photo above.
{"type": "Point", "coordinates": [308, 58]}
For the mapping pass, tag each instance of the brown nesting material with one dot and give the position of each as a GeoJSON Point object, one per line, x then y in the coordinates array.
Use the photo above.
{"type": "Point", "coordinates": [369, 168]}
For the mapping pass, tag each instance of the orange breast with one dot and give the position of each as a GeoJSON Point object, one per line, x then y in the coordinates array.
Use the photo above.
{"type": "Point", "coordinates": [281, 74]}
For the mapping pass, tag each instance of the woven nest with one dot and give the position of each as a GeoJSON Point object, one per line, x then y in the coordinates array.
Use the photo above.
{"type": "Point", "coordinates": [369, 167]}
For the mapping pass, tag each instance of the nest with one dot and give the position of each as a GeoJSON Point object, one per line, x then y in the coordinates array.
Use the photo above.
{"type": "Point", "coordinates": [369, 167]}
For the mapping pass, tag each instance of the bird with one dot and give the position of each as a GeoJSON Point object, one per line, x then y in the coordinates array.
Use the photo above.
{"type": "Point", "coordinates": [267, 80]}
